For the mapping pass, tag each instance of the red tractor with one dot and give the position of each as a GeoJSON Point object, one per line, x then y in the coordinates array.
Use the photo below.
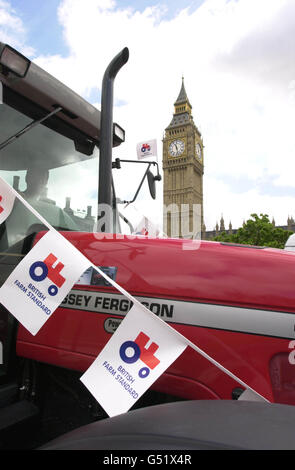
{"type": "Point", "coordinates": [237, 303]}
{"type": "Point", "coordinates": [145, 148]}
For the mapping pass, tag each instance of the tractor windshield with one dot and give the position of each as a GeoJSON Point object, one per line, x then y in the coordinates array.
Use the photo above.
{"type": "Point", "coordinates": [59, 181]}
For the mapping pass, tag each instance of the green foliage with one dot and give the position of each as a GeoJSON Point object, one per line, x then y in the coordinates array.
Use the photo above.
{"type": "Point", "coordinates": [258, 231]}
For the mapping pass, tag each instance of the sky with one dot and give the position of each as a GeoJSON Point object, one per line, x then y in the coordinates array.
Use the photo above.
{"type": "Point", "coordinates": [236, 57]}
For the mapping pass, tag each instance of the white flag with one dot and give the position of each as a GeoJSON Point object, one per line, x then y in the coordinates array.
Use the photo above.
{"type": "Point", "coordinates": [137, 354]}
{"type": "Point", "coordinates": [146, 227]}
{"type": "Point", "coordinates": [6, 200]}
{"type": "Point", "coordinates": [41, 281]}
{"type": "Point", "coordinates": [148, 148]}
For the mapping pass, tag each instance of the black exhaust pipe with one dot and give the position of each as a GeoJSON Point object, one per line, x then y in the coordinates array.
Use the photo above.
{"type": "Point", "coordinates": [106, 132]}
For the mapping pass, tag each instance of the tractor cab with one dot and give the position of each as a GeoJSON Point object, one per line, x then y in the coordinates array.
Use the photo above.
{"type": "Point", "coordinates": [49, 172]}
{"type": "Point", "coordinates": [49, 150]}
{"type": "Point", "coordinates": [56, 151]}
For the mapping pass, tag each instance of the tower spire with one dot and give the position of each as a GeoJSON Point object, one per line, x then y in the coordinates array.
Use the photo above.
{"type": "Point", "coordinates": [182, 96]}
{"type": "Point", "coordinates": [222, 227]}
{"type": "Point", "coordinates": [182, 105]}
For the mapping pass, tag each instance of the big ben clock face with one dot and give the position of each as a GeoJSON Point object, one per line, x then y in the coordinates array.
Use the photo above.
{"type": "Point", "coordinates": [176, 148]}
{"type": "Point", "coordinates": [198, 152]}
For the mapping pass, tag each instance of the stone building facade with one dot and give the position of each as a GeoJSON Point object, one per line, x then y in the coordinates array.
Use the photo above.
{"type": "Point", "coordinates": [183, 169]}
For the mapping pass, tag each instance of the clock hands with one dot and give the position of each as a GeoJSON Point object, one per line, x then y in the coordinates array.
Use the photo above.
{"type": "Point", "coordinates": [176, 148]}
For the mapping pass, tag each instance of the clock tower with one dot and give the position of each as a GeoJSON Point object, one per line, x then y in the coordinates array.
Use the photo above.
{"type": "Point", "coordinates": [183, 169]}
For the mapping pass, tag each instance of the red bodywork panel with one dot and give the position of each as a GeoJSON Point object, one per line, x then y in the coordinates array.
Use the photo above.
{"type": "Point", "coordinates": [236, 303]}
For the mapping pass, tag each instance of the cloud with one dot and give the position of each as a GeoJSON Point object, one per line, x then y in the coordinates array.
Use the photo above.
{"type": "Point", "coordinates": [12, 29]}
{"type": "Point", "coordinates": [236, 58]}
{"type": "Point", "coordinates": [237, 206]}
{"type": "Point", "coordinates": [264, 185]}
{"type": "Point", "coordinates": [266, 51]}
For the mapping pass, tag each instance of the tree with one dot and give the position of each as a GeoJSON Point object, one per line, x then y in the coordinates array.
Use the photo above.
{"type": "Point", "coordinates": [258, 231]}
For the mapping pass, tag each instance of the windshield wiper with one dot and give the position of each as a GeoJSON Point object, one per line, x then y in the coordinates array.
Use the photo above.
{"type": "Point", "coordinates": [28, 128]}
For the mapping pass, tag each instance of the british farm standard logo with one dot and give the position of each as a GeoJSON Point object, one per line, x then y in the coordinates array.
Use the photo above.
{"type": "Point", "coordinates": [145, 148]}
{"type": "Point", "coordinates": [132, 351]}
{"type": "Point", "coordinates": [37, 285]}
{"type": "Point", "coordinates": [40, 270]}
{"type": "Point", "coordinates": [132, 360]}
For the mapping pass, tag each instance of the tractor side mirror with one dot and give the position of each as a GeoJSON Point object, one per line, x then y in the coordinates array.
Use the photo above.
{"type": "Point", "coordinates": [150, 177]}
{"type": "Point", "coordinates": [152, 184]}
